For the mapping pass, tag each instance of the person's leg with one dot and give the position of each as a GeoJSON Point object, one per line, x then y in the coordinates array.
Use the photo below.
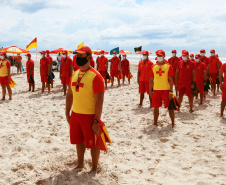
{"type": "Point", "coordinates": [141, 98]}
{"type": "Point", "coordinates": [172, 117]}
{"type": "Point", "coordinates": [129, 80]}
{"type": "Point", "coordinates": [95, 154]}
{"type": "Point", "coordinates": [191, 103]}
{"type": "Point", "coordinates": [106, 83]}
{"type": "Point", "coordinates": [118, 82]}
{"type": "Point", "coordinates": [29, 87]}
{"type": "Point", "coordinates": [214, 88]}
{"type": "Point", "coordinates": [123, 79]}
{"type": "Point", "coordinates": [218, 87]}
{"type": "Point", "coordinates": [112, 80]}
{"type": "Point", "coordinates": [156, 115]}
{"type": "Point", "coordinates": [150, 99]}
{"type": "Point", "coordinates": [18, 69]}
{"type": "Point", "coordinates": [43, 87]}
{"type": "Point", "coordinates": [48, 85]}
{"type": "Point", "coordinates": [33, 87]}
{"type": "Point", "coordinates": [223, 104]}
{"type": "Point", "coordinates": [80, 154]}
{"type": "Point", "coordinates": [201, 99]}
{"type": "Point", "coordinates": [3, 92]}
{"type": "Point", "coordinates": [9, 92]}
{"type": "Point", "coordinates": [65, 89]}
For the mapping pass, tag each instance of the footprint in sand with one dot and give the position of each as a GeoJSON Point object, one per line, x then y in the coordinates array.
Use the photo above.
{"type": "Point", "coordinates": [164, 140]}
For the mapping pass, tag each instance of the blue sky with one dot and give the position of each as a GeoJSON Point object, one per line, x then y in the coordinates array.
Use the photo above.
{"type": "Point", "coordinates": [154, 24]}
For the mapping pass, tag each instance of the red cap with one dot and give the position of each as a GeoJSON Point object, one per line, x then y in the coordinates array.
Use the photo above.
{"type": "Point", "coordinates": [102, 51]}
{"type": "Point", "coordinates": [43, 52]}
{"type": "Point", "coordinates": [174, 51]}
{"type": "Point", "coordinates": [202, 51]}
{"type": "Point", "coordinates": [216, 55]}
{"type": "Point", "coordinates": [191, 55]}
{"type": "Point", "coordinates": [124, 55]}
{"type": "Point", "coordinates": [114, 52]}
{"type": "Point", "coordinates": [83, 50]}
{"type": "Point", "coordinates": [160, 52]}
{"type": "Point", "coordinates": [47, 51]}
{"type": "Point", "coordinates": [183, 50]}
{"type": "Point", "coordinates": [185, 53]}
{"type": "Point", "coordinates": [197, 56]}
{"type": "Point", "coordinates": [64, 52]}
{"type": "Point", "coordinates": [145, 53]}
{"type": "Point", "coordinates": [28, 54]}
{"type": "Point", "coordinates": [212, 51]}
{"type": "Point", "coordinates": [3, 53]}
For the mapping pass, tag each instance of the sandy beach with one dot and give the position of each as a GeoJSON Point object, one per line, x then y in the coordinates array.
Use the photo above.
{"type": "Point", "coordinates": [35, 146]}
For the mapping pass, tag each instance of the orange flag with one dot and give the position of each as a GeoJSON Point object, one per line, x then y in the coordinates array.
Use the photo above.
{"type": "Point", "coordinates": [33, 44]}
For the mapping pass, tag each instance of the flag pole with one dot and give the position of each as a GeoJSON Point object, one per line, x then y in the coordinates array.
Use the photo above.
{"type": "Point", "coordinates": [36, 51]}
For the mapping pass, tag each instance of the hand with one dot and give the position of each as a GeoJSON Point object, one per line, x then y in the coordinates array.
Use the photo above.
{"type": "Point", "coordinates": [192, 86]}
{"type": "Point", "coordinates": [96, 130]}
{"type": "Point", "coordinates": [170, 96]}
{"type": "Point", "coordinates": [221, 87]}
{"type": "Point", "coordinates": [68, 118]}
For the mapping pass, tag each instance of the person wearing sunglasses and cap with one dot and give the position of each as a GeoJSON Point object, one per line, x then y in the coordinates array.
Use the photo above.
{"type": "Point", "coordinates": [66, 68]}
{"type": "Point", "coordinates": [45, 67]}
{"type": "Point", "coordinates": [214, 69]}
{"type": "Point", "coordinates": [185, 79]}
{"type": "Point", "coordinates": [30, 72]}
{"type": "Point", "coordinates": [85, 95]}
{"type": "Point", "coordinates": [5, 75]}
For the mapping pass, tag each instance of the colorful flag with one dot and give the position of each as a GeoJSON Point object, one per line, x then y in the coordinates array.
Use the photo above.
{"type": "Point", "coordinates": [80, 45]}
{"type": "Point", "coordinates": [33, 44]}
{"type": "Point", "coordinates": [115, 49]}
{"type": "Point", "coordinates": [138, 49]}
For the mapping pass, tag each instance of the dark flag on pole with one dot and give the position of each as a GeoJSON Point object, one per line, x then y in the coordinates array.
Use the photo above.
{"type": "Point", "coordinates": [138, 49]}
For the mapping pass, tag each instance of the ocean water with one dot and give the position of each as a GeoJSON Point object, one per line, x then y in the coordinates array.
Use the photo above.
{"type": "Point", "coordinates": [134, 58]}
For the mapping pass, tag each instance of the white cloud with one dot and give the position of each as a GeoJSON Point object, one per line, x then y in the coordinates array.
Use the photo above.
{"type": "Point", "coordinates": [153, 24]}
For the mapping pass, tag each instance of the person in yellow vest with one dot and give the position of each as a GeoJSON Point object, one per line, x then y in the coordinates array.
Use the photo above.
{"type": "Point", "coordinates": [161, 80]}
{"type": "Point", "coordinates": [85, 95]}
{"type": "Point", "coordinates": [5, 75]}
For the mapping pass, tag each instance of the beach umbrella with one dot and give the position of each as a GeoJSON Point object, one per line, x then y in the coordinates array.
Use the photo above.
{"type": "Point", "coordinates": [125, 52]}
{"type": "Point", "coordinates": [97, 52]}
{"type": "Point", "coordinates": [60, 50]}
{"type": "Point", "coordinates": [141, 52]}
{"type": "Point", "coordinates": [14, 49]}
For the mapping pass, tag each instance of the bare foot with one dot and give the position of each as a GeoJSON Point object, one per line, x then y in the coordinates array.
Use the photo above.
{"type": "Point", "coordinates": [3, 98]}
{"type": "Point", "coordinates": [191, 111]}
{"type": "Point", "coordinates": [174, 126]}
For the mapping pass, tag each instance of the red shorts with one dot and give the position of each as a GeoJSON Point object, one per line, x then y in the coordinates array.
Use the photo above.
{"type": "Point", "coordinates": [114, 73]}
{"type": "Point", "coordinates": [65, 80]}
{"type": "Point", "coordinates": [103, 73]}
{"type": "Point", "coordinates": [143, 87]}
{"type": "Point", "coordinates": [28, 78]}
{"type": "Point", "coordinates": [4, 80]}
{"type": "Point", "coordinates": [44, 78]}
{"type": "Point", "coordinates": [158, 96]}
{"type": "Point", "coordinates": [185, 90]}
{"type": "Point", "coordinates": [81, 129]}
{"type": "Point", "coordinates": [200, 87]}
{"type": "Point", "coordinates": [224, 94]}
{"type": "Point", "coordinates": [214, 77]}
{"type": "Point", "coordinates": [125, 73]}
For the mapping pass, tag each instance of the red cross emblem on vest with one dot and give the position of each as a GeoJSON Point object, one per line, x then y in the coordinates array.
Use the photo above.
{"type": "Point", "coordinates": [160, 72]}
{"type": "Point", "coordinates": [77, 87]}
{"type": "Point", "coordinates": [1, 65]}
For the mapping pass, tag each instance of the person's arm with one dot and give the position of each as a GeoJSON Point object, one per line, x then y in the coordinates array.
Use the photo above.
{"type": "Point", "coordinates": [138, 76]}
{"type": "Point", "coordinates": [171, 87]}
{"type": "Point", "coordinates": [97, 65]}
{"type": "Point", "coordinates": [221, 80]}
{"type": "Point", "coordinates": [205, 75]}
{"type": "Point", "coordinates": [151, 82]}
{"type": "Point", "coordinates": [60, 70]}
{"type": "Point", "coordinates": [176, 78]}
{"type": "Point", "coordinates": [106, 65]}
{"type": "Point", "coordinates": [194, 75]}
{"type": "Point", "coordinates": [69, 101]}
{"type": "Point", "coordinates": [31, 70]}
{"type": "Point", "coordinates": [208, 68]}
{"type": "Point", "coordinates": [8, 75]}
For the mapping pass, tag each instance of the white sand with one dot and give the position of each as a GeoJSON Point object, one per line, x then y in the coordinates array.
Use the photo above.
{"type": "Point", "coordinates": [35, 146]}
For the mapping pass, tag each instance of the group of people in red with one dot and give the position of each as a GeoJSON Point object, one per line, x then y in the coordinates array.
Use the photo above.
{"type": "Point", "coordinates": [189, 73]}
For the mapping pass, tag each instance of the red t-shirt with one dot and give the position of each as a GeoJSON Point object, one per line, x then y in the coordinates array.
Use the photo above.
{"type": "Point", "coordinates": [200, 67]}
{"type": "Point", "coordinates": [220, 63]}
{"type": "Point", "coordinates": [92, 63]}
{"type": "Point", "coordinates": [76, 67]}
{"type": "Point", "coordinates": [186, 73]}
{"type": "Point", "coordinates": [205, 60]}
{"type": "Point", "coordinates": [145, 68]}
{"type": "Point", "coordinates": [223, 68]}
{"type": "Point", "coordinates": [18, 58]}
{"type": "Point", "coordinates": [30, 63]}
{"type": "Point", "coordinates": [214, 61]}
{"type": "Point", "coordinates": [66, 64]}
{"type": "Point", "coordinates": [44, 62]}
{"type": "Point", "coordinates": [173, 62]}
{"type": "Point", "coordinates": [115, 63]}
{"type": "Point", "coordinates": [102, 61]}
{"type": "Point", "coordinates": [125, 65]}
